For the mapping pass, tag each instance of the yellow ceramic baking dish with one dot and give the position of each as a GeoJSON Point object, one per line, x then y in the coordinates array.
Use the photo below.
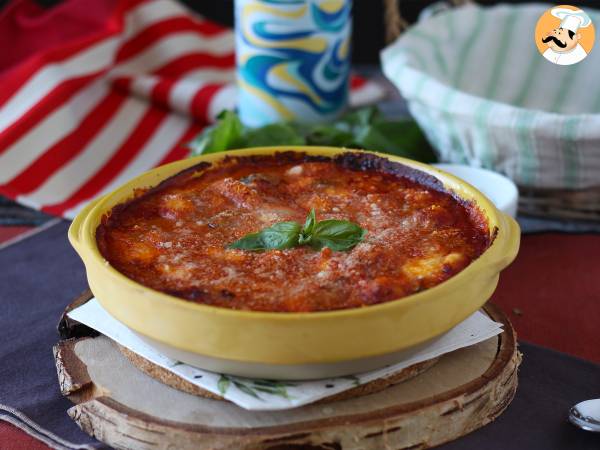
{"type": "Point", "coordinates": [257, 343]}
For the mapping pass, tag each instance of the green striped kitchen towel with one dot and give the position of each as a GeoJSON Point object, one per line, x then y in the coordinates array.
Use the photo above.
{"type": "Point", "coordinates": [483, 94]}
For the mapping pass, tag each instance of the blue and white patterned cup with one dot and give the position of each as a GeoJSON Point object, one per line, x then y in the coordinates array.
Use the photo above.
{"type": "Point", "coordinates": [293, 59]}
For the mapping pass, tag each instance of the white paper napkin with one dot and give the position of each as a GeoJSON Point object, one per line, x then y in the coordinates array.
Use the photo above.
{"type": "Point", "coordinates": [269, 395]}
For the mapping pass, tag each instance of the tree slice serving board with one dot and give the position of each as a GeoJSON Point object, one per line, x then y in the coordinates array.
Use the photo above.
{"type": "Point", "coordinates": [126, 408]}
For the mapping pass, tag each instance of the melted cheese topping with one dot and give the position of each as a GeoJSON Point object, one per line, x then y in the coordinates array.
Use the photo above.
{"type": "Point", "coordinates": [173, 238]}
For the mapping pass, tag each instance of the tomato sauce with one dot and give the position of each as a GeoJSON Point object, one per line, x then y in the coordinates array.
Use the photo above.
{"type": "Point", "coordinates": [173, 238]}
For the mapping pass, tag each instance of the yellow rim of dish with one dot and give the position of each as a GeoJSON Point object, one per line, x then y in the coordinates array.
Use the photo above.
{"type": "Point", "coordinates": [493, 255]}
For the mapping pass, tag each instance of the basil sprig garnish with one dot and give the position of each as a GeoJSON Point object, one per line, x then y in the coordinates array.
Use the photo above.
{"type": "Point", "coordinates": [338, 235]}
{"type": "Point", "coordinates": [280, 236]}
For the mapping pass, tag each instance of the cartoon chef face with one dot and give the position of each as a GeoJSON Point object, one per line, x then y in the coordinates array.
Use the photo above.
{"type": "Point", "coordinates": [561, 40]}
{"type": "Point", "coordinates": [564, 40]}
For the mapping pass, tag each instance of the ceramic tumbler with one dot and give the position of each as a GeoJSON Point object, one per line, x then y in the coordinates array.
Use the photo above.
{"type": "Point", "coordinates": [293, 59]}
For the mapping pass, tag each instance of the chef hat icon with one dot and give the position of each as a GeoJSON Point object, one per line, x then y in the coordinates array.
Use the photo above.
{"type": "Point", "coordinates": [571, 19]}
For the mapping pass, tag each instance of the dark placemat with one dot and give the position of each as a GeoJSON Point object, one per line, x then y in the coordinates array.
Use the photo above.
{"type": "Point", "coordinates": [530, 224]}
{"type": "Point", "coordinates": [13, 214]}
{"type": "Point", "coordinates": [39, 276]}
{"type": "Point", "coordinates": [549, 384]}
{"type": "Point", "coordinates": [42, 274]}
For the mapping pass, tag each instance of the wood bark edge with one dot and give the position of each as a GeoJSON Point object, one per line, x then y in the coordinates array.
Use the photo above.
{"type": "Point", "coordinates": [412, 426]}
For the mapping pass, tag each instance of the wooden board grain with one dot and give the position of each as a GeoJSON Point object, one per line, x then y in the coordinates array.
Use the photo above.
{"type": "Point", "coordinates": [126, 408]}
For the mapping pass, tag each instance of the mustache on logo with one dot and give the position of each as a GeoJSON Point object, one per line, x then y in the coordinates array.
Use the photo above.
{"type": "Point", "coordinates": [556, 41]}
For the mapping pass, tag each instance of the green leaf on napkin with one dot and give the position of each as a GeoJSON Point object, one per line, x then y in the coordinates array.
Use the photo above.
{"type": "Point", "coordinates": [246, 389]}
{"type": "Point", "coordinates": [254, 387]}
{"type": "Point", "coordinates": [223, 384]}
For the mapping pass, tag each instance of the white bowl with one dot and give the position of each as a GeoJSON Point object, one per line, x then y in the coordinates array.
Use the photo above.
{"type": "Point", "coordinates": [499, 189]}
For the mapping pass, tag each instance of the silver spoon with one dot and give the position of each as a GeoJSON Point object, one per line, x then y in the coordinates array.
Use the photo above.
{"type": "Point", "coordinates": [586, 415]}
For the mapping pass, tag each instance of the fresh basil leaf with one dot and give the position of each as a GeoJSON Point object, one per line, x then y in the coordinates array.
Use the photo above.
{"type": "Point", "coordinates": [399, 137]}
{"type": "Point", "coordinates": [362, 128]}
{"type": "Point", "coordinates": [251, 241]}
{"type": "Point", "coordinates": [330, 135]}
{"type": "Point", "coordinates": [338, 235]}
{"type": "Point", "coordinates": [301, 129]}
{"type": "Point", "coordinates": [229, 133]}
{"type": "Point", "coordinates": [281, 235]}
{"type": "Point", "coordinates": [201, 143]}
{"type": "Point", "coordinates": [225, 134]}
{"type": "Point", "coordinates": [307, 229]}
{"type": "Point", "coordinates": [274, 134]}
{"type": "Point", "coordinates": [277, 237]}
{"type": "Point", "coordinates": [361, 117]}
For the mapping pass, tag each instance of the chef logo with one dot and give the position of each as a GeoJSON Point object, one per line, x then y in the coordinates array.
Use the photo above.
{"type": "Point", "coordinates": [564, 35]}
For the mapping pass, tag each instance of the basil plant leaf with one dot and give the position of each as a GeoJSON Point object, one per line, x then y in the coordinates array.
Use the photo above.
{"type": "Point", "coordinates": [281, 235]}
{"type": "Point", "coordinates": [330, 135]}
{"type": "Point", "coordinates": [338, 235]}
{"type": "Point", "coordinates": [251, 241]}
{"type": "Point", "coordinates": [226, 134]}
{"type": "Point", "coordinates": [361, 117]}
{"type": "Point", "coordinates": [307, 229]}
{"type": "Point", "coordinates": [399, 137]}
{"type": "Point", "coordinates": [277, 237]}
{"type": "Point", "coordinates": [273, 134]}
{"type": "Point", "coordinates": [362, 128]}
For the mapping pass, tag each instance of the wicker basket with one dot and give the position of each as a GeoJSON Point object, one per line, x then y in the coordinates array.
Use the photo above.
{"type": "Point", "coordinates": [545, 198]}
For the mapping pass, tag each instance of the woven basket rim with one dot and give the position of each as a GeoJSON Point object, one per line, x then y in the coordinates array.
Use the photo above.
{"type": "Point", "coordinates": [408, 65]}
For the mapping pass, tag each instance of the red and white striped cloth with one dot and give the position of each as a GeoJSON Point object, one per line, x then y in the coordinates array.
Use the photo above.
{"type": "Point", "coordinates": [89, 112]}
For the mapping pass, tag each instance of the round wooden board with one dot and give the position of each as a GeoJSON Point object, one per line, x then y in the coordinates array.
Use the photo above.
{"type": "Point", "coordinates": [127, 409]}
